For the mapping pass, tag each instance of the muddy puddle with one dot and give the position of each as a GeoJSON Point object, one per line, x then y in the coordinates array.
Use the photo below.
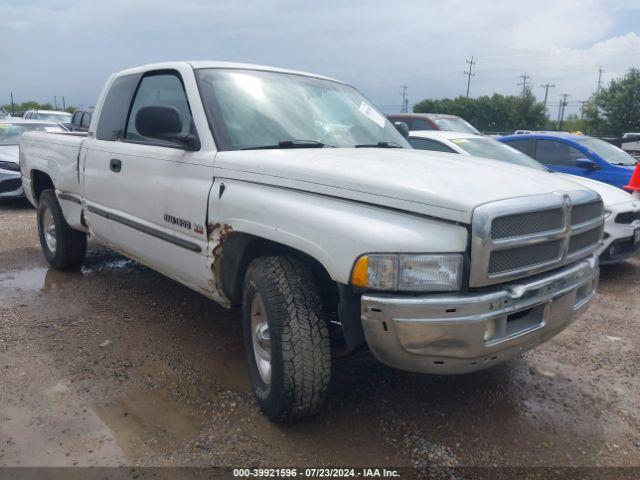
{"type": "Point", "coordinates": [45, 278]}
{"type": "Point", "coordinates": [144, 422]}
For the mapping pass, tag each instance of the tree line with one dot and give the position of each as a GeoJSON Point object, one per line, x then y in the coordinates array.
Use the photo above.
{"type": "Point", "coordinates": [615, 110]}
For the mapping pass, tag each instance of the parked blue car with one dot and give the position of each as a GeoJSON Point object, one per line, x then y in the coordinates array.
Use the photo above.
{"type": "Point", "coordinates": [577, 154]}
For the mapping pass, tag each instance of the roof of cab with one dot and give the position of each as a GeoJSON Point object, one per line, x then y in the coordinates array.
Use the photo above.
{"type": "Point", "coordinates": [199, 64]}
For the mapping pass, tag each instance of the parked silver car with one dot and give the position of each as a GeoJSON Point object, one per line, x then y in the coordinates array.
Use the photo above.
{"type": "Point", "coordinates": [11, 129]}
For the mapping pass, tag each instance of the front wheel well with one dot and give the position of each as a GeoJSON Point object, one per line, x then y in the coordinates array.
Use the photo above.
{"type": "Point", "coordinates": [341, 304]}
{"type": "Point", "coordinates": [241, 248]}
{"type": "Point", "coordinates": [40, 182]}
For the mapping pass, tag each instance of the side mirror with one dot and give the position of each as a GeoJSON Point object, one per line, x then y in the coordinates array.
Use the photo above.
{"type": "Point", "coordinates": [403, 128]}
{"type": "Point", "coordinates": [586, 164]}
{"type": "Point", "coordinates": [163, 123]}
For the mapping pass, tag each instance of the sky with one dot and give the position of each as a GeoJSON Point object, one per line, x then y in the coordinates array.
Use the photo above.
{"type": "Point", "coordinates": [70, 47]}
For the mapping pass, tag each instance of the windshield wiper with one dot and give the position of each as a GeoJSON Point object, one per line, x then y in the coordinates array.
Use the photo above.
{"type": "Point", "coordinates": [291, 144]}
{"type": "Point", "coordinates": [379, 145]}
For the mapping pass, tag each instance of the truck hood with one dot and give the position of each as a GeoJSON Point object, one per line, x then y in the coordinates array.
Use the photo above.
{"type": "Point", "coordinates": [429, 183]}
{"type": "Point", "coordinates": [10, 153]}
{"type": "Point", "coordinates": [610, 195]}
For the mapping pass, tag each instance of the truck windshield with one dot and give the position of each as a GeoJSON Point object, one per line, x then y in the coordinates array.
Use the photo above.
{"type": "Point", "coordinates": [251, 109]}
{"type": "Point", "coordinates": [490, 148]}
{"type": "Point", "coordinates": [608, 152]}
{"type": "Point", "coordinates": [10, 132]}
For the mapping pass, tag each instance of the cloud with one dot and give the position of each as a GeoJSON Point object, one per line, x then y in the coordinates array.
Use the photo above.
{"type": "Point", "coordinates": [376, 45]}
{"type": "Point", "coordinates": [19, 25]}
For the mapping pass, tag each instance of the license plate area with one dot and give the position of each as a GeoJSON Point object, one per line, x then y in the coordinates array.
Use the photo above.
{"type": "Point", "coordinates": [516, 323]}
{"type": "Point", "coordinates": [524, 320]}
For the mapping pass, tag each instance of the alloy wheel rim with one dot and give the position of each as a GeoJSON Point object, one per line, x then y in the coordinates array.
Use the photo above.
{"type": "Point", "coordinates": [260, 338]}
{"type": "Point", "coordinates": [49, 230]}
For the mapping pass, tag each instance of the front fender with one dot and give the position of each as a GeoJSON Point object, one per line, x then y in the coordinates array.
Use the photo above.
{"type": "Point", "coordinates": [334, 231]}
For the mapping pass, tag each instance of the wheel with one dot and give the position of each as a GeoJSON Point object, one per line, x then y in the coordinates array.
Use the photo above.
{"type": "Point", "coordinates": [63, 247]}
{"type": "Point", "coordinates": [286, 338]}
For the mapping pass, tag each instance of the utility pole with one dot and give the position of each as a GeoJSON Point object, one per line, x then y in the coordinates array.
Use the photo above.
{"type": "Point", "coordinates": [561, 107]}
{"type": "Point", "coordinates": [597, 99]}
{"type": "Point", "coordinates": [524, 78]}
{"type": "Point", "coordinates": [546, 87]}
{"type": "Point", "coordinates": [55, 103]}
{"type": "Point", "coordinates": [582, 104]}
{"type": "Point", "coordinates": [405, 100]}
{"type": "Point", "coordinates": [600, 72]}
{"type": "Point", "coordinates": [469, 74]}
{"type": "Point", "coordinates": [13, 112]}
{"type": "Point", "coordinates": [64, 106]}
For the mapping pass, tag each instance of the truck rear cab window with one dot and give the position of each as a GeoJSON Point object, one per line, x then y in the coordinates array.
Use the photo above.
{"type": "Point", "coordinates": [164, 89]}
{"type": "Point", "coordinates": [113, 115]}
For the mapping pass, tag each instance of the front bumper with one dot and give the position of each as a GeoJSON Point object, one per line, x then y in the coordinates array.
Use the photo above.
{"type": "Point", "coordinates": [444, 334]}
{"type": "Point", "coordinates": [620, 250]}
{"type": "Point", "coordinates": [10, 184]}
{"type": "Point", "coordinates": [619, 242]}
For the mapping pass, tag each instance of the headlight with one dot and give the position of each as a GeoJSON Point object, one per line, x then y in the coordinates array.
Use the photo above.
{"type": "Point", "coordinates": [409, 272]}
{"type": "Point", "coordinates": [607, 213]}
{"type": "Point", "coordinates": [10, 166]}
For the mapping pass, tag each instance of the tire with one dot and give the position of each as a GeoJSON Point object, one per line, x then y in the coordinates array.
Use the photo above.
{"type": "Point", "coordinates": [297, 338]}
{"type": "Point", "coordinates": [68, 247]}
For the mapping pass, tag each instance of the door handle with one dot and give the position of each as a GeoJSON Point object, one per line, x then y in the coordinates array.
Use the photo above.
{"type": "Point", "coordinates": [115, 165]}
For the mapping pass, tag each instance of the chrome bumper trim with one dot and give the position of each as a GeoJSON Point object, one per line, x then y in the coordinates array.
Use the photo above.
{"type": "Point", "coordinates": [445, 334]}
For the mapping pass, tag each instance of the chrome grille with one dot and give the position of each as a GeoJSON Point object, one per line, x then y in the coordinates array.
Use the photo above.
{"type": "Point", "coordinates": [584, 240]}
{"type": "Point", "coordinates": [521, 237]}
{"type": "Point", "coordinates": [519, 257]}
{"type": "Point", "coordinates": [526, 223]}
{"type": "Point", "coordinates": [586, 212]}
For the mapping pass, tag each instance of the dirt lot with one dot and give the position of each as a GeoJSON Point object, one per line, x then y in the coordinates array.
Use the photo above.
{"type": "Point", "coordinates": [118, 365]}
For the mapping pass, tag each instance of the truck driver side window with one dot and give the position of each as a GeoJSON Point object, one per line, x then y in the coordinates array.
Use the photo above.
{"type": "Point", "coordinates": [164, 89]}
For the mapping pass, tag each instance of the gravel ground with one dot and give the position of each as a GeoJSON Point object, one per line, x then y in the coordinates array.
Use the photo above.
{"type": "Point", "coordinates": [118, 365]}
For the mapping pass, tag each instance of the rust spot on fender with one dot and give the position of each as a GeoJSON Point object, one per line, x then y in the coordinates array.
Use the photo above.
{"type": "Point", "coordinates": [217, 234]}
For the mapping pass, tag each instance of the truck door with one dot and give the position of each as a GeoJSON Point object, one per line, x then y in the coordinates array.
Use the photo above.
{"type": "Point", "coordinates": [158, 191]}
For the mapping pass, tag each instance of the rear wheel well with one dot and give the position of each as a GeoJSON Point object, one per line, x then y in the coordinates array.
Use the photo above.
{"type": "Point", "coordinates": [40, 182]}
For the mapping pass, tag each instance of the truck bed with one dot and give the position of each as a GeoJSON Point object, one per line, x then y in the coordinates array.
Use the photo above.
{"type": "Point", "coordinates": [56, 154]}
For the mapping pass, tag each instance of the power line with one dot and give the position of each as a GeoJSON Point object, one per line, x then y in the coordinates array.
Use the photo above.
{"type": "Point", "coordinates": [546, 87]}
{"type": "Point", "coordinates": [524, 78]}
{"type": "Point", "coordinates": [469, 74]}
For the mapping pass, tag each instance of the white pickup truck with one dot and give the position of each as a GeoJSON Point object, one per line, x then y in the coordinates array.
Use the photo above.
{"type": "Point", "coordinates": [290, 195]}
